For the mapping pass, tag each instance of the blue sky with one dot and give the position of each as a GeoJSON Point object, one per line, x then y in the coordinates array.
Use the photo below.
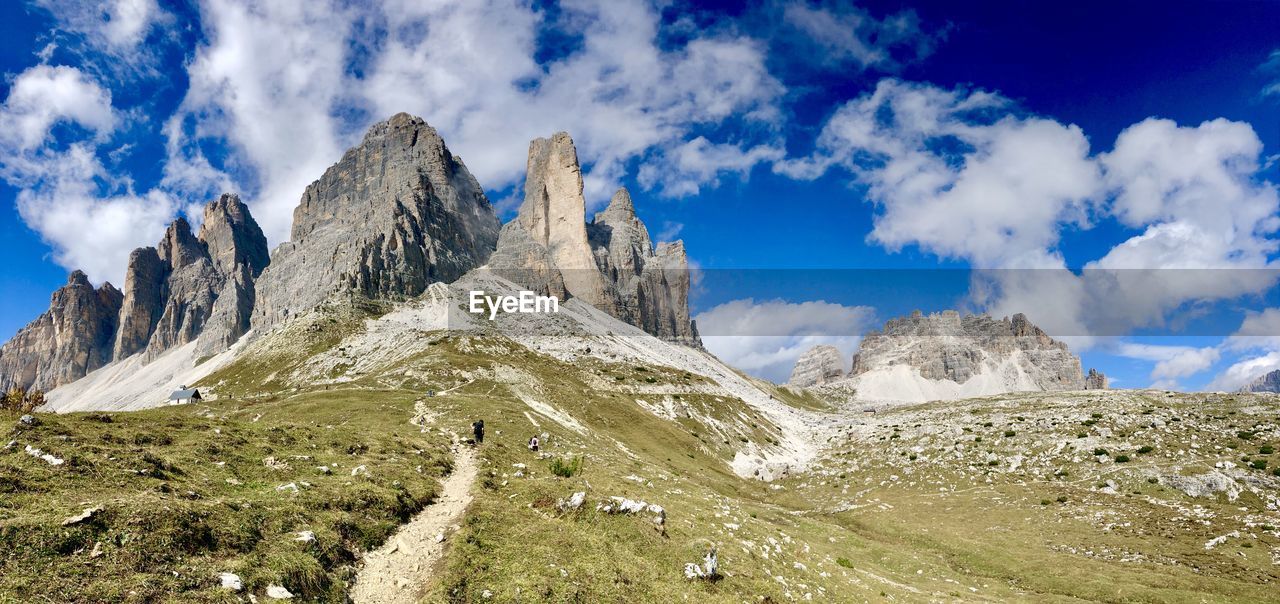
{"type": "Point", "coordinates": [1041, 138]}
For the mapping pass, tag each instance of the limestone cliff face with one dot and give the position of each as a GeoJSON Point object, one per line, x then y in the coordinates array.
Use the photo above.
{"type": "Point", "coordinates": [145, 290]}
{"type": "Point", "coordinates": [1269, 382]}
{"type": "Point", "coordinates": [187, 287]}
{"type": "Point", "coordinates": [193, 287]}
{"type": "Point", "coordinates": [609, 263]}
{"type": "Point", "coordinates": [1095, 380]}
{"type": "Point", "coordinates": [817, 366]}
{"type": "Point", "coordinates": [238, 252]}
{"type": "Point", "coordinates": [72, 338]}
{"type": "Point", "coordinates": [397, 213]}
{"type": "Point", "coordinates": [554, 216]}
{"type": "Point", "coordinates": [947, 346]}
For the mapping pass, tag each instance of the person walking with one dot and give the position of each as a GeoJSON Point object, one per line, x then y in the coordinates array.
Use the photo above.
{"type": "Point", "coordinates": [533, 443]}
{"type": "Point", "coordinates": [477, 428]}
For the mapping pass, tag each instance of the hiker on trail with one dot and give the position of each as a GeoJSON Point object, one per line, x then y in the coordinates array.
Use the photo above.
{"type": "Point", "coordinates": [478, 429]}
{"type": "Point", "coordinates": [533, 443]}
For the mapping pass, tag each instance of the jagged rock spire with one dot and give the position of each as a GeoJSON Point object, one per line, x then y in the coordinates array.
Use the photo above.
{"type": "Point", "coordinates": [610, 263]}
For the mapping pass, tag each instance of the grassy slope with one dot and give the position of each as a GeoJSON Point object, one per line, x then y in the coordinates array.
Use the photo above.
{"type": "Point", "coordinates": [186, 495]}
{"type": "Point", "coordinates": [870, 524]}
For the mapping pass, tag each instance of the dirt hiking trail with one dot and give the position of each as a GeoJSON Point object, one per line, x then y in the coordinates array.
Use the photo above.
{"type": "Point", "coordinates": [399, 571]}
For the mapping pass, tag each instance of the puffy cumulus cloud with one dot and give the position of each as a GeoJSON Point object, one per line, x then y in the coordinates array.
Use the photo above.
{"type": "Point", "coordinates": [291, 85]}
{"type": "Point", "coordinates": [1196, 192]}
{"type": "Point", "coordinates": [1244, 371]}
{"type": "Point", "coordinates": [1259, 329]}
{"type": "Point", "coordinates": [1171, 362]}
{"type": "Point", "coordinates": [965, 175]}
{"type": "Point", "coordinates": [90, 218]}
{"type": "Point", "coordinates": [957, 174]}
{"type": "Point", "coordinates": [91, 224]}
{"type": "Point", "coordinates": [43, 96]}
{"type": "Point", "coordinates": [765, 338]}
{"type": "Point", "coordinates": [845, 34]}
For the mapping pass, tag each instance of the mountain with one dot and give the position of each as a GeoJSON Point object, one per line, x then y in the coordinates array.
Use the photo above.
{"type": "Point", "coordinates": [396, 214]}
{"type": "Point", "coordinates": [186, 286]}
{"type": "Point", "coordinates": [609, 263]}
{"type": "Point", "coordinates": [69, 340]}
{"type": "Point", "coordinates": [946, 356]}
{"type": "Point", "coordinates": [1269, 382]}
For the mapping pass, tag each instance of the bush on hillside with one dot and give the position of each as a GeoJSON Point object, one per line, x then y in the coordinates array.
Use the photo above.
{"type": "Point", "coordinates": [564, 469]}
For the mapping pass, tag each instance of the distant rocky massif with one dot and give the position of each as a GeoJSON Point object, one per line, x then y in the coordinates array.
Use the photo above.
{"type": "Point", "coordinates": [945, 356]}
{"type": "Point", "coordinates": [396, 214]}
{"type": "Point", "coordinates": [1269, 382]}
{"type": "Point", "coordinates": [190, 287]}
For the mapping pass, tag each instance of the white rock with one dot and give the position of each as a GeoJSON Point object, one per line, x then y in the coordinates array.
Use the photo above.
{"type": "Point", "coordinates": [278, 592]}
{"type": "Point", "coordinates": [230, 581]}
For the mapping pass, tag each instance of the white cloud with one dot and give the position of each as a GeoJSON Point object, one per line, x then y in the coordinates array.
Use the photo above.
{"type": "Point", "coordinates": [278, 82]}
{"type": "Point", "coordinates": [269, 81]}
{"type": "Point", "coordinates": [765, 338]}
{"type": "Point", "coordinates": [89, 228]}
{"type": "Point", "coordinates": [90, 218]}
{"type": "Point", "coordinates": [955, 174]}
{"type": "Point", "coordinates": [1259, 329]}
{"type": "Point", "coordinates": [686, 168]}
{"type": "Point", "coordinates": [1245, 371]}
{"type": "Point", "coordinates": [1196, 191]}
{"type": "Point", "coordinates": [43, 96]}
{"type": "Point", "coordinates": [1272, 68]}
{"type": "Point", "coordinates": [1172, 362]}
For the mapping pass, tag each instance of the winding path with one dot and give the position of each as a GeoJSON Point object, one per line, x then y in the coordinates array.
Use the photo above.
{"type": "Point", "coordinates": [399, 571]}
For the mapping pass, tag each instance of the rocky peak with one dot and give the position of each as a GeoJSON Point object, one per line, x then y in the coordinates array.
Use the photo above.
{"type": "Point", "coordinates": [817, 366]}
{"type": "Point", "coordinates": [620, 210]}
{"type": "Point", "coordinates": [554, 215]}
{"type": "Point", "coordinates": [69, 340]}
{"type": "Point", "coordinates": [179, 247]}
{"type": "Point", "coordinates": [620, 239]}
{"type": "Point", "coordinates": [1009, 354]}
{"type": "Point", "coordinates": [1268, 382]}
{"type": "Point", "coordinates": [398, 212]}
{"type": "Point", "coordinates": [609, 263]}
{"type": "Point", "coordinates": [144, 299]}
{"type": "Point", "coordinates": [1095, 380]}
{"type": "Point", "coordinates": [232, 237]}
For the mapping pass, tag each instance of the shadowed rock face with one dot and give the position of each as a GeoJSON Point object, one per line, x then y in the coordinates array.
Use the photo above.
{"type": "Point", "coordinates": [609, 263]}
{"type": "Point", "coordinates": [947, 346]}
{"type": "Point", "coordinates": [397, 213]}
{"type": "Point", "coordinates": [817, 366]}
{"type": "Point", "coordinates": [72, 338]}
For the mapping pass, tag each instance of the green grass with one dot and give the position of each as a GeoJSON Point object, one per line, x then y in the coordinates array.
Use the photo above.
{"type": "Point", "coordinates": [903, 506]}
{"type": "Point", "coordinates": [185, 494]}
